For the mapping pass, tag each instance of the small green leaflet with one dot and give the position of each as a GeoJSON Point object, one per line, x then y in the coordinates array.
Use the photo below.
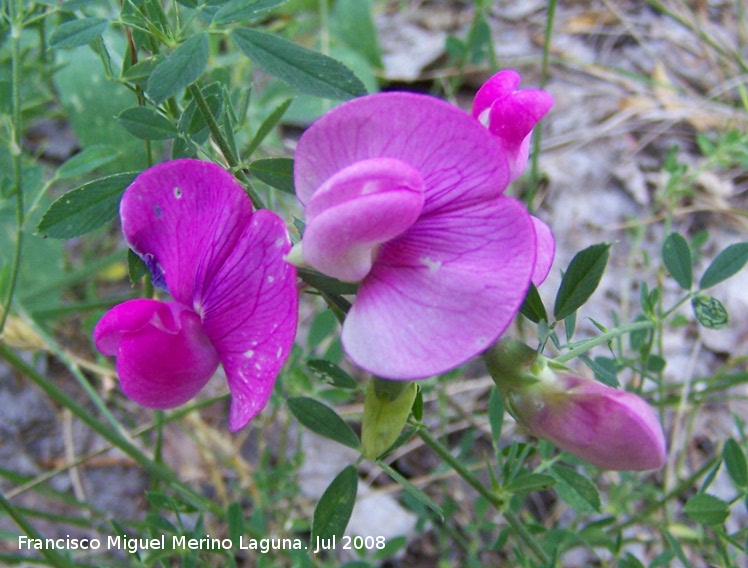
{"type": "Point", "coordinates": [576, 490]}
{"type": "Point", "coordinates": [333, 511]}
{"type": "Point", "coordinates": [244, 10]}
{"type": "Point", "coordinates": [276, 172]}
{"type": "Point", "coordinates": [87, 161]}
{"type": "Point", "coordinates": [310, 72]}
{"type": "Point", "coordinates": [710, 312]}
{"type": "Point", "coordinates": [323, 420]}
{"type": "Point", "coordinates": [707, 509]}
{"type": "Point", "coordinates": [146, 124]}
{"type": "Point", "coordinates": [735, 461]}
{"type": "Point", "coordinates": [77, 32]}
{"type": "Point", "coordinates": [728, 263]}
{"type": "Point", "coordinates": [180, 69]}
{"type": "Point", "coordinates": [85, 208]}
{"type": "Point", "coordinates": [581, 279]}
{"type": "Point", "coordinates": [676, 255]}
{"type": "Point", "coordinates": [331, 373]}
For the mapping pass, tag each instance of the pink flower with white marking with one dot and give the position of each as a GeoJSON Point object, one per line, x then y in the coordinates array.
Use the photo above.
{"type": "Point", "coordinates": [234, 296]}
{"type": "Point", "coordinates": [404, 194]}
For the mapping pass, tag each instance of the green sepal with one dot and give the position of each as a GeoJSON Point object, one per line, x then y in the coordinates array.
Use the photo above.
{"type": "Point", "coordinates": [384, 419]}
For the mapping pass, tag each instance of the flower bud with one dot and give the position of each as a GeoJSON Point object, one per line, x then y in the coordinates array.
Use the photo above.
{"type": "Point", "coordinates": [607, 427]}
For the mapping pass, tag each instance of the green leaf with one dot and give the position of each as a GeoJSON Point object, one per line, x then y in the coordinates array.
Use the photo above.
{"type": "Point", "coordinates": [531, 482]}
{"type": "Point", "coordinates": [147, 124]}
{"type": "Point", "coordinates": [707, 509]}
{"type": "Point", "coordinates": [331, 373]}
{"type": "Point", "coordinates": [735, 462]}
{"type": "Point", "coordinates": [310, 72]}
{"type": "Point", "coordinates": [333, 511]}
{"type": "Point", "coordinates": [85, 208]}
{"type": "Point", "coordinates": [244, 10]}
{"type": "Point", "coordinates": [136, 268]}
{"type": "Point", "coordinates": [533, 308]}
{"type": "Point", "coordinates": [267, 125]}
{"type": "Point", "coordinates": [87, 161]}
{"type": "Point", "coordinates": [710, 312]}
{"type": "Point", "coordinates": [352, 23]}
{"type": "Point", "coordinates": [676, 254]}
{"type": "Point", "coordinates": [235, 522]}
{"type": "Point", "coordinates": [729, 262]}
{"type": "Point", "coordinates": [576, 490]}
{"type": "Point", "coordinates": [77, 32]}
{"type": "Point", "coordinates": [605, 369]}
{"type": "Point", "coordinates": [581, 279]}
{"type": "Point", "coordinates": [276, 172]}
{"type": "Point", "coordinates": [180, 69]}
{"type": "Point", "coordinates": [323, 420]}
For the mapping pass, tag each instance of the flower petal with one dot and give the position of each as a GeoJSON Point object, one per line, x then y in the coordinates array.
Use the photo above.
{"type": "Point", "coordinates": [458, 159]}
{"type": "Point", "coordinates": [250, 311]}
{"type": "Point", "coordinates": [163, 355]}
{"type": "Point", "coordinates": [502, 84]}
{"type": "Point", "coordinates": [442, 292]}
{"type": "Point", "coordinates": [546, 250]}
{"type": "Point", "coordinates": [607, 427]}
{"type": "Point", "coordinates": [355, 211]}
{"type": "Point", "coordinates": [184, 218]}
{"type": "Point", "coordinates": [511, 115]}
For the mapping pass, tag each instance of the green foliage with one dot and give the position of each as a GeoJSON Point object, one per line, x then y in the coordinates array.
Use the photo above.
{"type": "Point", "coordinates": [581, 279]}
{"type": "Point", "coordinates": [676, 254]}
{"type": "Point", "coordinates": [335, 506]}
{"type": "Point", "coordinates": [85, 208]}
{"type": "Point", "coordinates": [322, 420]}
{"type": "Point", "coordinates": [310, 72]}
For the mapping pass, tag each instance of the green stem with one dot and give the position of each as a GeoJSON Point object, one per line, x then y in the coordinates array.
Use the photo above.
{"type": "Point", "coordinates": [49, 553]}
{"type": "Point", "coordinates": [604, 338]}
{"type": "Point", "coordinates": [15, 150]}
{"type": "Point", "coordinates": [538, 134]}
{"type": "Point", "coordinates": [475, 483]}
{"type": "Point", "coordinates": [223, 144]}
{"type": "Point", "coordinates": [112, 436]}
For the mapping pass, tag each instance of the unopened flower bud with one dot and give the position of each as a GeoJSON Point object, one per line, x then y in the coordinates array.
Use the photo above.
{"type": "Point", "coordinates": [607, 427]}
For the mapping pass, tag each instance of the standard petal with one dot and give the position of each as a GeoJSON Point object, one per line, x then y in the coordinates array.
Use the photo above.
{"type": "Point", "coordinates": [512, 118]}
{"type": "Point", "coordinates": [442, 292]}
{"type": "Point", "coordinates": [546, 251]}
{"type": "Point", "coordinates": [458, 159]}
{"type": "Point", "coordinates": [500, 85]}
{"type": "Point", "coordinates": [184, 218]}
{"type": "Point", "coordinates": [359, 208]}
{"type": "Point", "coordinates": [163, 355]}
{"type": "Point", "coordinates": [250, 312]}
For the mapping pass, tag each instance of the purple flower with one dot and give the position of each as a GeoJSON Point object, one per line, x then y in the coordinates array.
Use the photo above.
{"type": "Point", "coordinates": [235, 297]}
{"type": "Point", "coordinates": [607, 427]}
{"type": "Point", "coordinates": [403, 193]}
{"type": "Point", "coordinates": [511, 115]}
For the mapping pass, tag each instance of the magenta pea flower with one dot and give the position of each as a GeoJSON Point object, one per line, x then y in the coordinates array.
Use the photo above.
{"type": "Point", "coordinates": [234, 296]}
{"type": "Point", "coordinates": [404, 194]}
{"type": "Point", "coordinates": [510, 115]}
{"type": "Point", "coordinates": [605, 426]}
